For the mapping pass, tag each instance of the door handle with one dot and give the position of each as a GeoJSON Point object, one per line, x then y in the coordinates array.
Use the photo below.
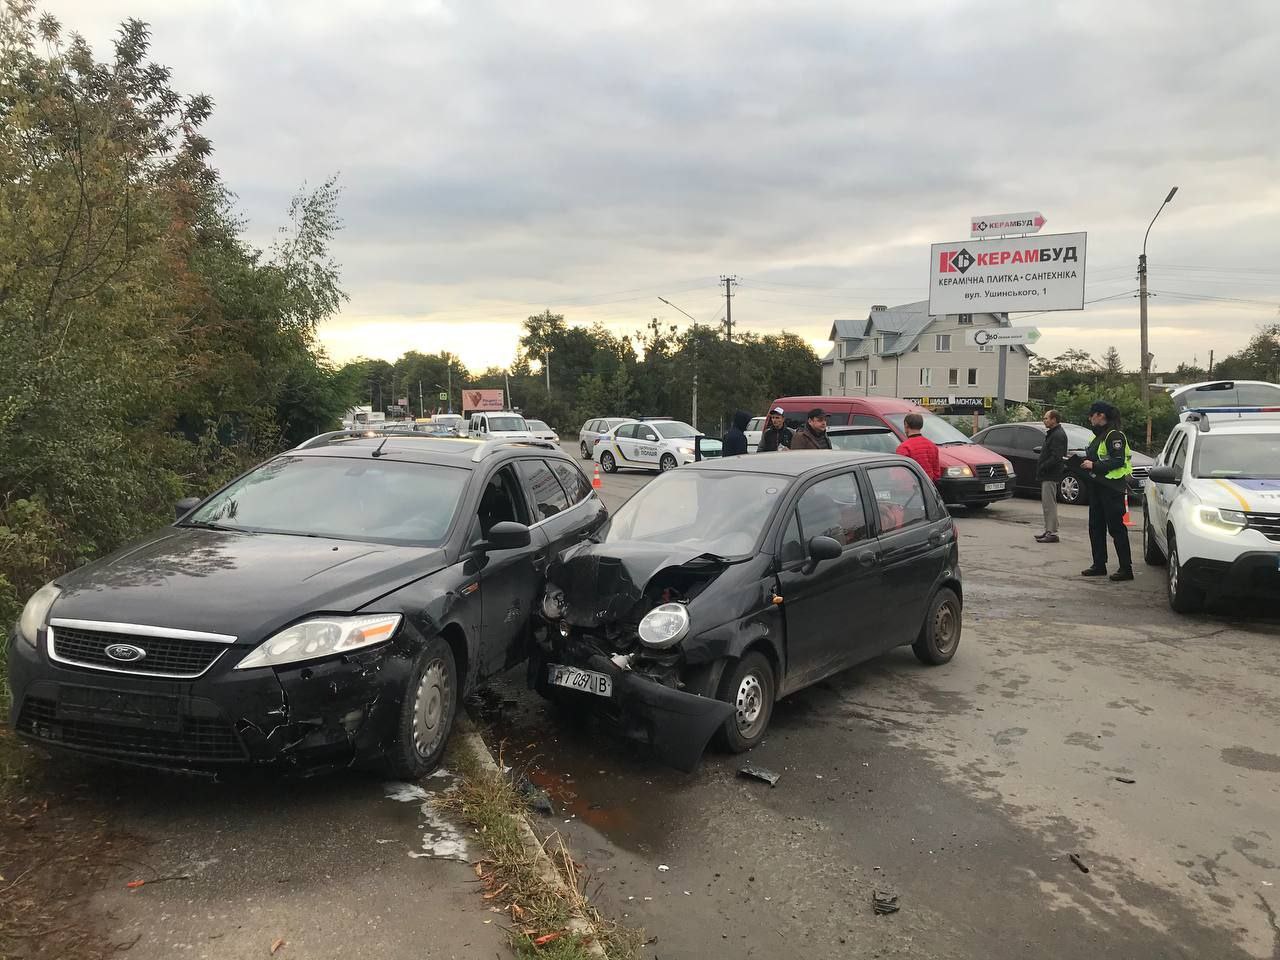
{"type": "Point", "coordinates": [539, 562]}
{"type": "Point", "coordinates": [867, 559]}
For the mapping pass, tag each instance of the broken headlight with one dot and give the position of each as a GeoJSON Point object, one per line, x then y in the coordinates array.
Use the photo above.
{"type": "Point", "coordinates": [664, 626]}
{"type": "Point", "coordinates": [36, 612]}
{"type": "Point", "coordinates": [553, 604]}
{"type": "Point", "coordinates": [322, 637]}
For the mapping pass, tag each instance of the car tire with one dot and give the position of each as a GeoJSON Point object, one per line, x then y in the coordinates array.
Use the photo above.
{"type": "Point", "coordinates": [1151, 553]}
{"type": "Point", "coordinates": [607, 463]}
{"type": "Point", "coordinates": [427, 713]}
{"type": "Point", "coordinates": [1183, 597]}
{"type": "Point", "coordinates": [667, 463]}
{"type": "Point", "coordinates": [750, 687]}
{"type": "Point", "coordinates": [1071, 490]}
{"type": "Point", "coordinates": [586, 453]}
{"type": "Point", "coordinates": [940, 634]}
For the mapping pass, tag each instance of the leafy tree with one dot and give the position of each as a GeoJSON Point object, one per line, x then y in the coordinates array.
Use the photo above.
{"type": "Point", "coordinates": [1259, 360]}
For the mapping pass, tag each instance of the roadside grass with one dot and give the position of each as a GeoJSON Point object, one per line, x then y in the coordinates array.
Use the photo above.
{"type": "Point", "coordinates": [542, 914]}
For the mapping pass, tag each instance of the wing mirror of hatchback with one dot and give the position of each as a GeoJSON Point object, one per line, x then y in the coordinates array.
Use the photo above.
{"type": "Point", "coordinates": [1036, 449]}
{"type": "Point", "coordinates": [1164, 475]}
{"type": "Point", "coordinates": [504, 535]}
{"type": "Point", "coordinates": [822, 548]}
{"type": "Point", "coordinates": [185, 506]}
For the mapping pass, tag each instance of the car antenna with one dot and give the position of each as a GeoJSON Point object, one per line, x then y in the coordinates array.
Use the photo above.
{"type": "Point", "coordinates": [378, 452]}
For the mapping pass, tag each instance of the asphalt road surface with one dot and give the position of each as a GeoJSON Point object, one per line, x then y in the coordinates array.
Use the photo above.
{"type": "Point", "coordinates": [963, 789]}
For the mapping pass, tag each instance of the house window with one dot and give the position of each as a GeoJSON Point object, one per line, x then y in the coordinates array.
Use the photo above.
{"type": "Point", "coordinates": [926, 377]}
{"type": "Point", "coordinates": [857, 378]}
{"type": "Point", "coordinates": [842, 381]}
{"type": "Point", "coordinates": [965, 319]}
{"type": "Point", "coordinates": [872, 377]}
{"type": "Point", "coordinates": [987, 348]}
{"type": "Point", "coordinates": [973, 376]}
{"type": "Point", "coordinates": [879, 344]}
{"type": "Point", "coordinates": [942, 342]}
{"type": "Point", "coordinates": [953, 377]}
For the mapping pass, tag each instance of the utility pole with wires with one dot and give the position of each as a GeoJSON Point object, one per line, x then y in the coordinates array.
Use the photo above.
{"type": "Point", "coordinates": [730, 281]}
{"type": "Point", "coordinates": [1144, 358]}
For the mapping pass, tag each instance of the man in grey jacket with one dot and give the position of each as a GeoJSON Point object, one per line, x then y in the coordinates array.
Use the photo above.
{"type": "Point", "coordinates": [1049, 470]}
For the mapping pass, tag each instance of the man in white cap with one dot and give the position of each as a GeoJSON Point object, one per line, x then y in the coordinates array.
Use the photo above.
{"type": "Point", "coordinates": [777, 435]}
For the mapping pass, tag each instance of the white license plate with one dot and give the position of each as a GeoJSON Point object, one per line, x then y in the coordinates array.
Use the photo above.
{"type": "Point", "coordinates": [994, 486]}
{"type": "Point", "coordinates": [587, 681]}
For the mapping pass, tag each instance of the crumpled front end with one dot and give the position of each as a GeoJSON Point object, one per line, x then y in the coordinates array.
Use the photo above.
{"type": "Point", "coordinates": [589, 647]}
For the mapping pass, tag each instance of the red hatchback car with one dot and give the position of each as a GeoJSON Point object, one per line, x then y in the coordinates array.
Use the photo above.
{"type": "Point", "coordinates": [972, 475]}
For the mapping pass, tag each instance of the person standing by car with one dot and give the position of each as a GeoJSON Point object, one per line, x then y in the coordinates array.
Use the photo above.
{"type": "Point", "coordinates": [813, 435]}
{"type": "Point", "coordinates": [1107, 466]}
{"type": "Point", "coordinates": [777, 435]}
{"type": "Point", "coordinates": [919, 447]}
{"type": "Point", "coordinates": [1049, 471]}
{"type": "Point", "coordinates": [735, 439]}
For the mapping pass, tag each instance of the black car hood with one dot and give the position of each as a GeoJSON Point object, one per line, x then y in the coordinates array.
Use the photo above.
{"type": "Point", "coordinates": [604, 582]}
{"type": "Point", "coordinates": [241, 584]}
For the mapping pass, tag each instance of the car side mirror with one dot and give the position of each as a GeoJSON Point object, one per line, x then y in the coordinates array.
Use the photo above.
{"type": "Point", "coordinates": [1036, 449]}
{"type": "Point", "coordinates": [504, 535]}
{"type": "Point", "coordinates": [1164, 475]}
{"type": "Point", "coordinates": [820, 549]}
{"type": "Point", "coordinates": [185, 506]}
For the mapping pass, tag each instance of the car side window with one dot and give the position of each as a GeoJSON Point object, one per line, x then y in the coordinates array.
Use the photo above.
{"type": "Point", "coordinates": [544, 489]}
{"type": "Point", "coordinates": [1027, 438]}
{"type": "Point", "coordinates": [627, 431]}
{"type": "Point", "coordinates": [1179, 454]}
{"type": "Point", "coordinates": [792, 546]}
{"type": "Point", "coordinates": [996, 437]}
{"type": "Point", "coordinates": [900, 498]}
{"type": "Point", "coordinates": [575, 483]}
{"type": "Point", "coordinates": [647, 434]}
{"type": "Point", "coordinates": [501, 500]}
{"type": "Point", "coordinates": [1166, 455]}
{"type": "Point", "coordinates": [833, 508]}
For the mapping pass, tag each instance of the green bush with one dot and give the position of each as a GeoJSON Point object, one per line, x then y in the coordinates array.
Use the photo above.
{"type": "Point", "coordinates": [1074, 405]}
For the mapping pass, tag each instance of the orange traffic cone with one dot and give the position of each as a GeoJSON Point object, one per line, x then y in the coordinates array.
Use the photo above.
{"type": "Point", "coordinates": [596, 484]}
{"type": "Point", "coordinates": [1128, 521]}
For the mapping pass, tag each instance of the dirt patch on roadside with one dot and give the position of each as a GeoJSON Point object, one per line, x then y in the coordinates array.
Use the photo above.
{"type": "Point", "coordinates": [56, 850]}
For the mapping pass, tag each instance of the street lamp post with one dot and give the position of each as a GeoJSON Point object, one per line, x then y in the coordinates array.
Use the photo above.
{"type": "Point", "coordinates": [1145, 358]}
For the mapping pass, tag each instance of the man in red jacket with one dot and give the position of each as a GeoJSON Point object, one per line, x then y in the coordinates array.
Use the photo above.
{"type": "Point", "coordinates": [919, 447]}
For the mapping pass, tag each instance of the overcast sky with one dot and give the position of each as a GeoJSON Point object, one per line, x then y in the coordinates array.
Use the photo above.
{"type": "Point", "coordinates": [501, 158]}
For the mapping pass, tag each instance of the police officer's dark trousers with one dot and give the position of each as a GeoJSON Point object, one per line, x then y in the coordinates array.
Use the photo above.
{"type": "Point", "coordinates": [1106, 516]}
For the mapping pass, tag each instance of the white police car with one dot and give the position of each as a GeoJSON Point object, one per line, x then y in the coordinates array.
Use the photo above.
{"type": "Point", "coordinates": [1213, 507]}
{"type": "Point", "coordinates": [653, 445]}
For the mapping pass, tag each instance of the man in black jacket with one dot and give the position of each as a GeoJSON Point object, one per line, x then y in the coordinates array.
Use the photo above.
{"type": "Point", "coordinates": [1049, 471]}
{"type": "Point", "coordinates": [777, 435]}
{"type": "Point", "coordinates": [735, 440]}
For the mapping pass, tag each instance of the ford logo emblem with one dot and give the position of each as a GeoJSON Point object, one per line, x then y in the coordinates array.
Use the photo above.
{"type": "Point", "coordinates": [125, 652]}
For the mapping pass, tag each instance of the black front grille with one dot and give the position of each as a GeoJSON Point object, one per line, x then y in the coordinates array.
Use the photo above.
{"type": "Point", "coordinates": [165, 655]}
{"type": "Point", "coordinates": [1267, 523]}
{"type": "Point", "coordinates": [198, 738]}
{"type": "Point", "coordinates": [992, 471]}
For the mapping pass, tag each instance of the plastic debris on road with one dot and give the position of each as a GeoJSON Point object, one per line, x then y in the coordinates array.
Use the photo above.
{"type": "Point", "coordinates": [759, 773]}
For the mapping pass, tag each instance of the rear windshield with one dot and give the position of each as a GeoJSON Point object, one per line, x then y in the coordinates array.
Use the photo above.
{"type": "Point", "coordinates": [538, 425]}
{"type": "Point", "coordinates": [1237, 395]}
{"type": "Point", "coordinates": [883, 442]}
{"type": "Point", "coordinates": [507, 423]}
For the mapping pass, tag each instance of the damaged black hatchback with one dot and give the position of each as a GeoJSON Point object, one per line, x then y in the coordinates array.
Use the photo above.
{"type": "Point", "coordinates": [725, 585]}
{"type": "Point", "coordinates": [328, 608]}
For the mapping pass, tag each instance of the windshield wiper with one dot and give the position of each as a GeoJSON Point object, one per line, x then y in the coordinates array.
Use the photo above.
{"type": "Point", "coordinates": [207, 525]}
{"type": "Point", "coordinates": [949, 443]}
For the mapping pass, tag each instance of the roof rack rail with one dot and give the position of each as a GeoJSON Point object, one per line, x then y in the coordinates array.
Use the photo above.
{"type": "Point", "coordinates": [336, 435]}
{"type": "Point", "coordinates": [489, 447]}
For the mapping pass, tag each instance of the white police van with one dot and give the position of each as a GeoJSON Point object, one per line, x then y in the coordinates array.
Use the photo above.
{"type": "Point", "coordinates": [1213, 506]}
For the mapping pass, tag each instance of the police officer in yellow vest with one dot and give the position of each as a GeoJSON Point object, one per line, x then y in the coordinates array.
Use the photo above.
{"type": "Point", "coordinates": [1107, 463]}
